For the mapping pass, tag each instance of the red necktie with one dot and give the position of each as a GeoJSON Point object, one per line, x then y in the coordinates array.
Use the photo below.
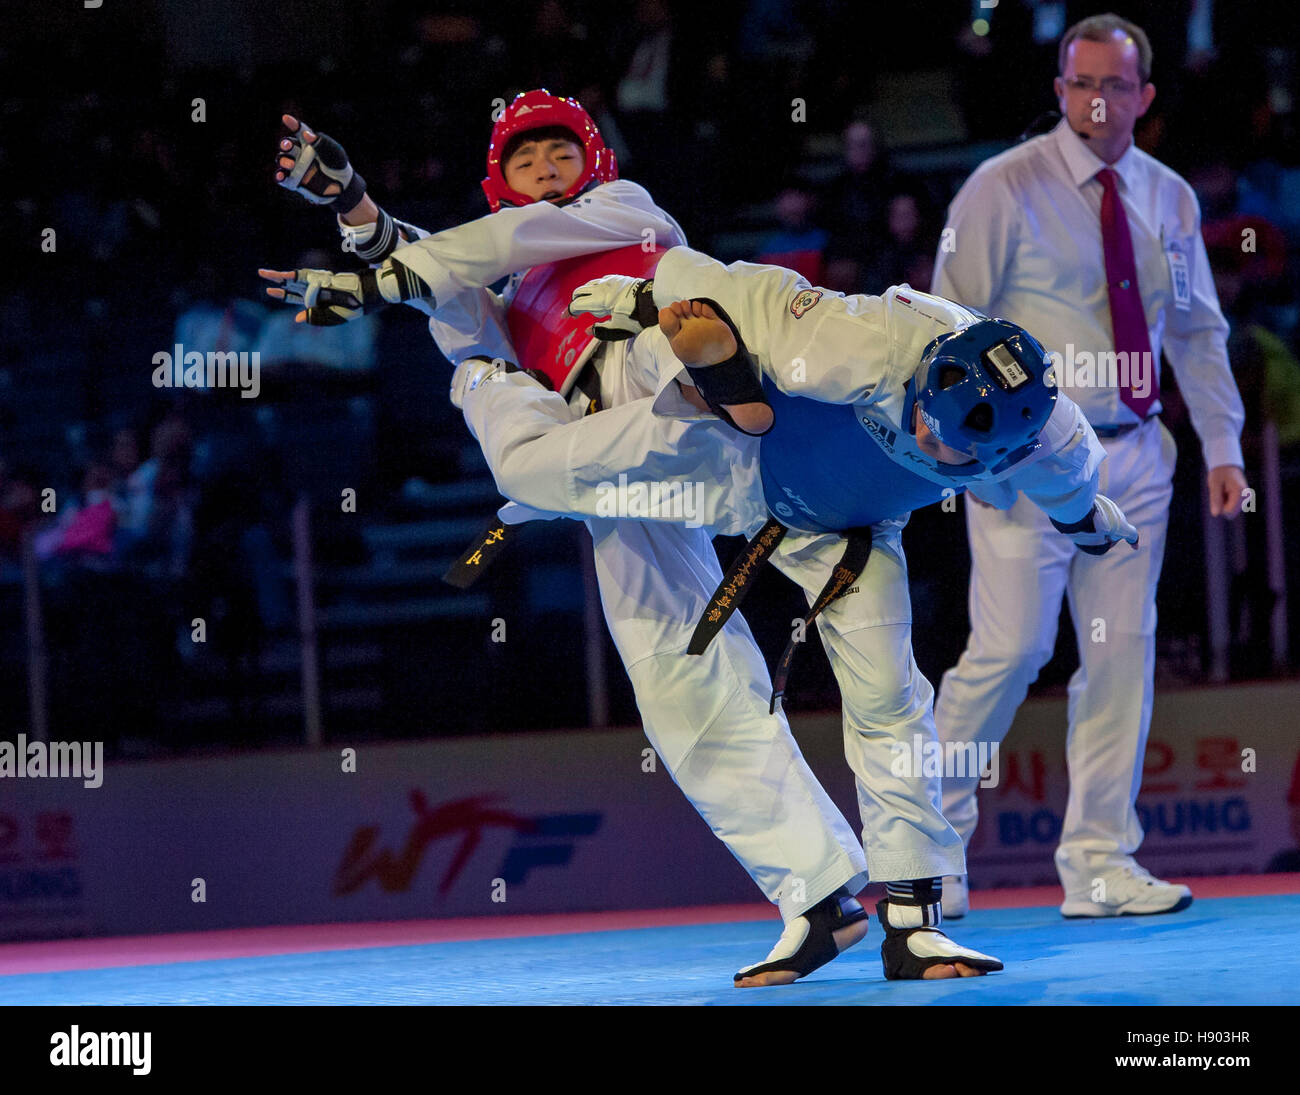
{"type": "Point", "coordinates": [1128, 320]}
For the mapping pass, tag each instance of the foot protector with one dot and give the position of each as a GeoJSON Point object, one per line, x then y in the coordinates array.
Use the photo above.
{"type": "Point", "coordinates": [808, 941]}
{"type": "Point", "coordinates": [908, 952]}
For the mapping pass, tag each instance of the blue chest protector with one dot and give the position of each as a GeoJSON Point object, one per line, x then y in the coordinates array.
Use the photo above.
{"type": "Point", "coordinates": [821, 472]}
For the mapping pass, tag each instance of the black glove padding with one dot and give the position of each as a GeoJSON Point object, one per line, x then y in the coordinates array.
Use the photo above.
{"type": "Point", "coordinates": [1100, 529]}
{"type": "Point", "coordinates": [332, 298]}
{"type": "Point", "coordinates": [332, 166]}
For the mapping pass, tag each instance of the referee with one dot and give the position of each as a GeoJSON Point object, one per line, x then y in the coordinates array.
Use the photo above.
{"type": "Point", "coordinates": [1095, 247]}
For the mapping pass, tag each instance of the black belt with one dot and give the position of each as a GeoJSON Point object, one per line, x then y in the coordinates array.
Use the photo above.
{"type": "Point", "coordinates": [588, 383]}
{"type": "Point", "coordinates": [739, 577]}
{"type": "Point", "coordinates": [476, 558]}
{"type": "Point", "coordinates": [1108, 432]}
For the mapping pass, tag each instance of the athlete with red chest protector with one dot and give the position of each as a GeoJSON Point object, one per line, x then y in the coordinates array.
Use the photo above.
{"type": "Point", "coordinates": [561, 213]}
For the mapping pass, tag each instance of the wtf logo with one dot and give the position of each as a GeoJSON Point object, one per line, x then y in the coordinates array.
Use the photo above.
{"type": "Point", "coordinates": [546, 841]}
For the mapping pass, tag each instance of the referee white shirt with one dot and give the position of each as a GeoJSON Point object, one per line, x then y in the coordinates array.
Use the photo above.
{"type": "Point", "coordinates": [1023, 242]}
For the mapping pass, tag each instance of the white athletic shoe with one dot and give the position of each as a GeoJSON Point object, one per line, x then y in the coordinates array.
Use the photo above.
{"type": "Point", "coordinates": [956, 896]}
{"type": "Point", "coordinates": [1123, 890]}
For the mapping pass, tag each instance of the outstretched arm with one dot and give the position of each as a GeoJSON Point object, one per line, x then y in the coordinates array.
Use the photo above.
{"type": "Point", "coordinates": [316, 168]}
{"type": "Point", "coordinates": [480, 252]}
{"type": "Point", "coordinates": [1062, 481]}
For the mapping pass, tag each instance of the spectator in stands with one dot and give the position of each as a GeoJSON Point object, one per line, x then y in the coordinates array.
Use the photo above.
{"type": "Point", "coordinates": [856, 196]}
{"type": "Point", "coordinates": [555, 53]}
{"type": "Point", "coordinates": [218, 321]}
{"type": "Point", "coordinates": [237, 575]}
{"type": "Point", "coordinates": [643, 90]}
{"type": "Point", "coordinates": [775, 41]}
{"type": "Point", "coordinates": [908, 242]}
{"type": "Point", "coordinates": [86, 523]}
{"type": "Point", "coordinates": [855, 202]}
{"type": "Point", "coordinates": [1268, 376]}
{"type": "Point", "coordinates": [19, 508]}
{"type": "Point", "coordinates": [1288, 859]}
{"type": "Point", "coordinates": [1257, 244]}
{"type": "Point", "coordinates": [592, 96]}
{"type": "Point", "coordinates": [797, 243]}
{"type": "Point", "coordinates": [655, 97]}
{"type": "Point", "coordinates": [452, 49]}
{"type": "Point", "coordinates": [124, 456]}
{"type": "Point", "coordinates": [155, 527]}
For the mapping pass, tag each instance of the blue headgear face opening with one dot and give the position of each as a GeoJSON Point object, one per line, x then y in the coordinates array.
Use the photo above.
{"type": "Point", "coordinates": [986, 390]}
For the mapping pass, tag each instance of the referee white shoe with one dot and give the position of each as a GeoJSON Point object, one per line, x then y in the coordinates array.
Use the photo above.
{"type": "Point", "coordinates": [956, 896]}
{"type": "Point", "coordinates": [1122, 889]}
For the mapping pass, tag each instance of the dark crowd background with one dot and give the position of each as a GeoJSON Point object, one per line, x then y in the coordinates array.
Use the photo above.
{"type": "Point", "coordinates": [827, 135]}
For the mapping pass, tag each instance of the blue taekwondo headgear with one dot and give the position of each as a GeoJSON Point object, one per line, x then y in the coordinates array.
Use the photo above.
{"type": "Point", "coordinates": [987, 390]}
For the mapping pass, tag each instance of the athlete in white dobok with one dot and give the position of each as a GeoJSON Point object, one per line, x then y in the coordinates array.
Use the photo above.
{"type": "Point", "coordinates": [560, 216]}
{"type": "Point", "coordinates": [871, 406]}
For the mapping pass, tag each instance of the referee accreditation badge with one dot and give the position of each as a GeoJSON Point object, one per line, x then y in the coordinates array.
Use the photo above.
{"type": "Point", "coordinates": [1179, 276]}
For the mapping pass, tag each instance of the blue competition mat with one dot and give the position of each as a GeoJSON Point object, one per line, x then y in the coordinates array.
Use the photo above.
{"type": "Point", "coordinates": [1240, 950]}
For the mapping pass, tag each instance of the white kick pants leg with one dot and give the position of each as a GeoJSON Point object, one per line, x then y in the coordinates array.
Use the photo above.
{"type": "Point", "coordinates": [888, 704]}
{"type": "Point", "coordinates": [707, 715]}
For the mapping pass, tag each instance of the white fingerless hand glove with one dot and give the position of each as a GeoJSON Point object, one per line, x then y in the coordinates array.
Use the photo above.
{"type": "Point", "coordinates": [1101, 529]}
{"type": "Point", "coordinates": [629, 303]}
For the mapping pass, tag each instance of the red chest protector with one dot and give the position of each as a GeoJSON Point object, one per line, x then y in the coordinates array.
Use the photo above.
{"type": "Point", "coordinates": [544, 335]}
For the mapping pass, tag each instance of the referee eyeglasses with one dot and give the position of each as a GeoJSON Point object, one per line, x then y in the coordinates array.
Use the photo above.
{"type": "Point", "coordinates": [1111, 85]}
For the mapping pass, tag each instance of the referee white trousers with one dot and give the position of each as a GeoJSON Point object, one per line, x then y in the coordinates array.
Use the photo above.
{"type": "Point", "coordinates": [1020, 567]}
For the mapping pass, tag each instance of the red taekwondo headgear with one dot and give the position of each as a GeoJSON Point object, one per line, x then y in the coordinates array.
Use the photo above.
{"type": "Point", "coordinates": [540, 109]}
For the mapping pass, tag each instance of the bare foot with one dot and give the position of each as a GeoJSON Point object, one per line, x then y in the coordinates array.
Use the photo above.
{"type": "Point", "coordinates": [763, 980]}
{"type": "Point", "coordinates": [696, 334]}
{"type": "Point", "coordinates": [844, 938]}
{"type": "Point", "coordinates": [956, 969]}
{"type": "Point", "coordinates": [750, 418]}
{"type": "Point", "coordinates": [698, 337]}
